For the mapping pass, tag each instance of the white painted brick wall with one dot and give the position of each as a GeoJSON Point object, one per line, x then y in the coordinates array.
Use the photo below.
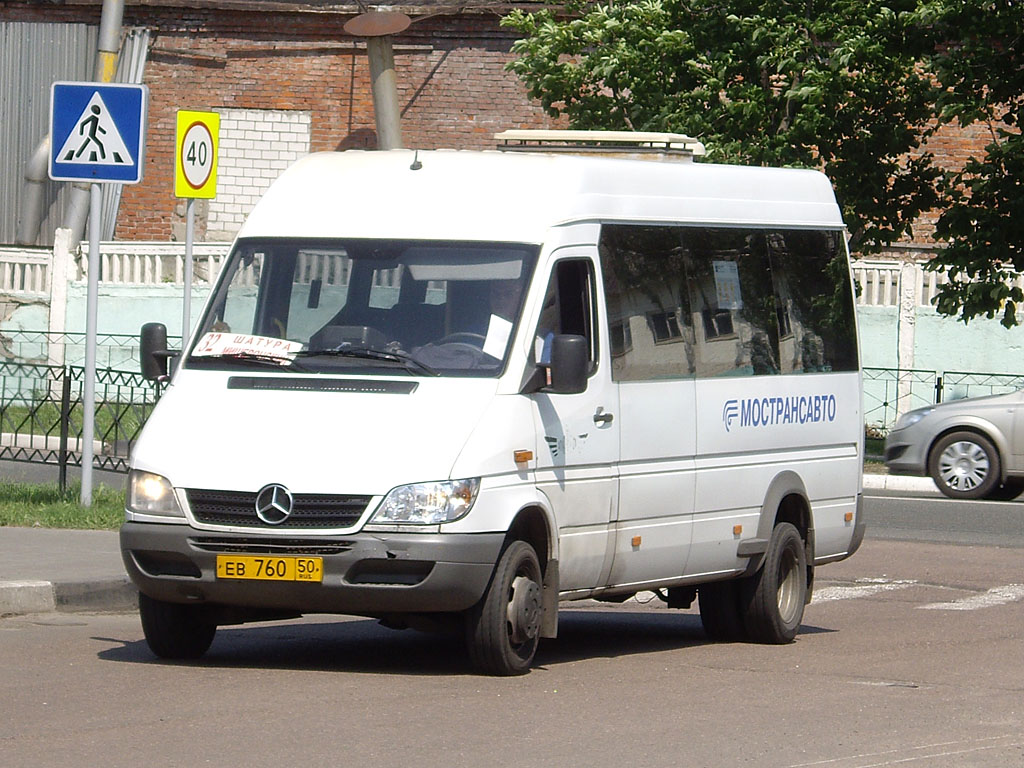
{"type": "Point", "coordinates": [255, 147]}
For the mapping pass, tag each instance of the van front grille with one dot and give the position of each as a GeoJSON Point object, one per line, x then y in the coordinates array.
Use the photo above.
{"type": "Point", "coordinates": [309, 510]}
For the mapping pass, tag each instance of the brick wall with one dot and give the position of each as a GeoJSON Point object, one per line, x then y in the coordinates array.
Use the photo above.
{"type": "Point", "coordinates": [255, 147]}
{"type": "Point", "coordinates": [453, 92]}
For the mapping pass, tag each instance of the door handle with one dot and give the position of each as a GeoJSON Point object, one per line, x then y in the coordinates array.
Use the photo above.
{"type": "Point", "coordinates": [603, 417]}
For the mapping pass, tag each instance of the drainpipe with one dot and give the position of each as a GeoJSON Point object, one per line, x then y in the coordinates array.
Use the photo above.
{"type": "Point", "coordinates": [37, 169]}
{"type": "Point", "coordinates": [36, 176]}
{"type": "Point", "coordinates": [104, 71]}
{"type": "Point", "coordinates": [378, 27]}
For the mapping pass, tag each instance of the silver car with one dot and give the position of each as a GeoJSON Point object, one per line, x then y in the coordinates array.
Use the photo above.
{"type": "Point", "coordinates": [972, 449]}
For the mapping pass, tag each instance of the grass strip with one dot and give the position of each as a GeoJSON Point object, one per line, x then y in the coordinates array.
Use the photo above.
{"type": "Point", "coordinates": [31, 505]}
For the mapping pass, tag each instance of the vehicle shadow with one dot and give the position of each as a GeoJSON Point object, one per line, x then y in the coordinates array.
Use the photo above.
{"type": "Point", "coordinates": [364, 646]}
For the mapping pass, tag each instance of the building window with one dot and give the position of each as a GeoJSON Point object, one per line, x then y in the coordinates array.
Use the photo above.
{"type": "Point", "coordinates": [717, 323]}
{"type": "Point", "coordinates": [664, 326]}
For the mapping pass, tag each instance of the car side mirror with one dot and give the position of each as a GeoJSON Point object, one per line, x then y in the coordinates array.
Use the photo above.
{"type": "Point", "coordinates": [570, 363]}
{"type": "Point", "coordinates": [153, 352]}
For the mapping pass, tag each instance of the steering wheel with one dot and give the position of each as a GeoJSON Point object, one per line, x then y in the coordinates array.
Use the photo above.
{"type": "Point", "coordinates": [475, 340]}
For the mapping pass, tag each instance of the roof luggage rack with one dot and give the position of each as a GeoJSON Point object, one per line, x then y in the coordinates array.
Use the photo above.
{"type": "Point", "coordinates": [647, 145]}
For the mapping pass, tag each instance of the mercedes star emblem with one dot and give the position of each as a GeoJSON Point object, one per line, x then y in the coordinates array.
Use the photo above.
{"type": "Point", "coordinates": [273, 504]}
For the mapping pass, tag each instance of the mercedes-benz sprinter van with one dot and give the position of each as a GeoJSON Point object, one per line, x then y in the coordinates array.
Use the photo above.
{"type": "Point", "coordinates": [460, 386]}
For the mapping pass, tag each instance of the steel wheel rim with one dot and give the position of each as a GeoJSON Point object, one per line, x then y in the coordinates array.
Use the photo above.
{"type": "Point", "coordinates": [520, 646]}
{"type": "Point", "coordinates": [963, 465]}
{"type": "Point", "coordinates": [788, 596]}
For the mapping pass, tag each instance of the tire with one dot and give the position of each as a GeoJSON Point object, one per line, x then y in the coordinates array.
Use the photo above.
{"type": "Point", "coordinates": [965, 465]}
{"type": "Point", "coordinates": [1008, 491]}
{"type": "Point", "coordinates": [503, 629]}
{"type": "Point", "coordinates": [174, 630]}
{"type": "Point", "coordinates": [720, 610]}
{"type": "Point", "coordinates": [773, 598]}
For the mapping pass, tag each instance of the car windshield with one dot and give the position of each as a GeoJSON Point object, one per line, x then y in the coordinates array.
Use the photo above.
{"type": "Point", "coordinates": [383, 306]}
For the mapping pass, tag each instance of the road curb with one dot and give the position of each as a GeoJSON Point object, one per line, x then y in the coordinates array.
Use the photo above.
{"type": "Point", "coordinates": [880, 482]}
{"type": "Point", "coordinates": [18, 598]}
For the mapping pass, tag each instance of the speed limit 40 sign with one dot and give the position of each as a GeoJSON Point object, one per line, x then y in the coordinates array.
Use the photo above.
{"type": "Point", "coordinates": [195, 159]}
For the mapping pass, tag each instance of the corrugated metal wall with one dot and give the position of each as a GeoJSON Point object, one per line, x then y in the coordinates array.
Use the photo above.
{"type": "Point", "coordinates": [32, 57]}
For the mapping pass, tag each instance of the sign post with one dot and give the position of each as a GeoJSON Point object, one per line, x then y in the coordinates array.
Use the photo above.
{"type": "Point", "coordinates": [195, 177]}
{"type": "Point", "coordinates": [97, 135]}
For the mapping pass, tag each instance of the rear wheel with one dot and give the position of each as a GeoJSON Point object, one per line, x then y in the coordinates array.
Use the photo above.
{"type": "Point", "coordinates": [503, 629]}
{"type": "Point", "coordinates": [774, 597]}
{"type": "Point", "coordinates": [174, 630]}
{"type": "Point", "coordinates": [965, 465]}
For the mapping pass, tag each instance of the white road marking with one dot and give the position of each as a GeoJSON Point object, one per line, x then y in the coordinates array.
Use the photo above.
{"type": "Point", "coordinates": [1011, 593]}
{"type": "Point", "coordinates": [861, 588]}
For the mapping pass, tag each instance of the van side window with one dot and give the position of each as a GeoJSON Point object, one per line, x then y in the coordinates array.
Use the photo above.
{"type": "Point", "coordinates": [813, 283]}
{"type": "Point", "coordinates": [726, 301]}
{"type": "Point", "coordinates": [569, 307]}
{"type": "Point", "coordinates": [645, 286]}
{"type": "Point", "coordinates": [731, 290]}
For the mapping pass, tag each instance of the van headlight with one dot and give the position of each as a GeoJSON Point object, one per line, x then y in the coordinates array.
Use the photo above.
{"type": "Point", "coordinates": [912, 417]}
{"type": "Point", "coordinates": [151, 494]}
{"type": "Point", "coordinates": [428, 503]}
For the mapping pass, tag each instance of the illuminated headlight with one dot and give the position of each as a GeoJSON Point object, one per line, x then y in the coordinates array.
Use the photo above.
{"type": "Point", "coordinates": [428, 503]}
{"type": "Point", "coordinates": [150, 494]}
{"type": "Point", "coordinates": [911, 418]}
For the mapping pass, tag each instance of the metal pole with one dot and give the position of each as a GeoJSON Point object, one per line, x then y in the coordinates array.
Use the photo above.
{"type": "Point", "coordinates": [89, 382]}
{"type": "Point", "coordinates": [186, 304]}
{"type": "Point", "coordinates": [385, 92]}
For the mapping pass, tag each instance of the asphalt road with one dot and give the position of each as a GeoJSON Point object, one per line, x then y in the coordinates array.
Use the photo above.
{"type": "Point", "coordinates": [932, 517]}
{"type": "Point", "coordinates": [910, 655]}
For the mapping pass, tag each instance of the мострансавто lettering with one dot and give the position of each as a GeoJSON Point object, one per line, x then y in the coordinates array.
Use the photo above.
{"type": "Point", "coordinates": [773, 411]}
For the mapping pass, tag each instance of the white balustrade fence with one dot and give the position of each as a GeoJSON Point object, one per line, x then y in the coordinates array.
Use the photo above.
{"type": "Point", "coordinates": [134, 263]}
{"type": "Point", "coordinates": [25, 271]}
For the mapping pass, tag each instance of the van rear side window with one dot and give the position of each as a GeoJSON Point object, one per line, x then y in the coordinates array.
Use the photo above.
{"type": "Point", "coordinates": [703, 301]}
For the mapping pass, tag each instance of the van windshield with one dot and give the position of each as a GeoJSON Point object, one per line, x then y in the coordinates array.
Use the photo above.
{"type": "Point", "coordinates": [382, 306]}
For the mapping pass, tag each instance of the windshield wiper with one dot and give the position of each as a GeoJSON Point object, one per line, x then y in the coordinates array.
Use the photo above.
{"type": "Point", "coordinates": [369, 353]}
{"type": "Point", "coordinates": [247, 358]}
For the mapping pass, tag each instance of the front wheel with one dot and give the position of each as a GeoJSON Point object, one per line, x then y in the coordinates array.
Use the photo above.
{"type": "Point", "coordinates": [503, 629]}
{"type": "Point", "coordinates": [174, 630]}
{"type": "Point", "coordinates": [964, 465]}
{"type": "Point", "coordinates": [774, 597]}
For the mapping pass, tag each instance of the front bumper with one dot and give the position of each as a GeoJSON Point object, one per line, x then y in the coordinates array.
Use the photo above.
{"type": "Point", "coordinates": [363, 574]}
{"type": "Point", "coordinates": [905, 455]}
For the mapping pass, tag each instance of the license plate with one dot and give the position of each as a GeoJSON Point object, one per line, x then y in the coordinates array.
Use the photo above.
{"type": "Point", "coordinates": [266, 568]}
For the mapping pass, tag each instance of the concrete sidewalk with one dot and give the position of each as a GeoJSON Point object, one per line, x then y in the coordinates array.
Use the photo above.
{"type": "Point", "coordinates": [44, 569]}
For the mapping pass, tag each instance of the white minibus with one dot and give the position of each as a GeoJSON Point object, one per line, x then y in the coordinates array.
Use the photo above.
{"type": "Point", "coordinates": [454, 388]}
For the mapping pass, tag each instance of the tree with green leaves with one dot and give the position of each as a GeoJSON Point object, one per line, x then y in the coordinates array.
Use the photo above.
{"type": "Point", "coordinates": [828, 84]}
{"type": "Point", "coordinates": [979, 61]}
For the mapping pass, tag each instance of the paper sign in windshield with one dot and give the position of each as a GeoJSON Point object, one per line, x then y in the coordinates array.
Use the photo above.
{"type": "Point", "coordinates": [498, 331]}
{"type": "Point", "coordinates": [240, 344]}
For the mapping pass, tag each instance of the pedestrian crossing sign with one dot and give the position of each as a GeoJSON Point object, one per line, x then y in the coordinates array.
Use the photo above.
{"type": "Point", "coordinates": [97, 132]}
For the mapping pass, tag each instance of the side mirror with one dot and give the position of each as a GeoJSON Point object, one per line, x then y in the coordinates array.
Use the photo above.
{"type": "Point", "coordinates": [570, 362]}
{"type": "Point", "coordinates": [153, 351]}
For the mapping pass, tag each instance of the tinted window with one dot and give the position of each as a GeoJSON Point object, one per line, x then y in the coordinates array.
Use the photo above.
{"type": "Point", "coordinates": [726, 301]}
{"type": "Point", "coordinates": [813, 283]}
{"type": "Point", "coordinates": [645, 283]}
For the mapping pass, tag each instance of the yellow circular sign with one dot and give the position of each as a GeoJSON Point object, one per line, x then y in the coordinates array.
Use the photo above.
{"type": "Point", "coordinates": [195, 155]}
